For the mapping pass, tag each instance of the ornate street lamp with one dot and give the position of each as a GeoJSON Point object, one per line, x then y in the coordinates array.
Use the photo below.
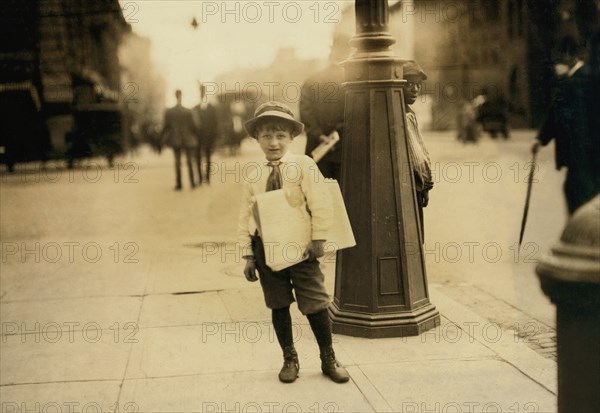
{"type": "Point", "coordinates": [381, 286]}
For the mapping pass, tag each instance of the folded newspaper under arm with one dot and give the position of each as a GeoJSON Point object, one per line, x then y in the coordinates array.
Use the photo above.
{"type": "Point", "coordinates": [285, 225]}
{"type": "Point", "coordinates": [320, 151]}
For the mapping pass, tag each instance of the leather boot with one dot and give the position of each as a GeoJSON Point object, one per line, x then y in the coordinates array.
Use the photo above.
{"type": "Point", "coordinates": [291, 365]}
{"type": "Point", "coordinates": [330, 367]}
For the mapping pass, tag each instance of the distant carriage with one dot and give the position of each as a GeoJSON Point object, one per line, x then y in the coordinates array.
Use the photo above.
{"type": "Point", "coordinates": [94, 129]}
{"type": "Point", "coordinates": [98, 131]}
{"type": "Point", "coordinates": [59, 80]}
{"type": "Point", "coordinates": [24, 136]}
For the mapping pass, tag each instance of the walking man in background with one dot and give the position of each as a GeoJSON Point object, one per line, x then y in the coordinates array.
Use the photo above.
{"type": "Point", "coordinates": [569, 122]}
{"type": "Point", "coordinates": [205, 121]}
{"type": "Point", "coordinates": [179, 133]}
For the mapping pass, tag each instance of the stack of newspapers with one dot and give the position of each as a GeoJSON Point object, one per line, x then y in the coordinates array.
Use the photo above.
{"type": "Point", "coordinates": [285, 225]}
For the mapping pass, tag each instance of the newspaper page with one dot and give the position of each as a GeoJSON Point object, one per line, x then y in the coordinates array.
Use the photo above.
{"type": "Point", "coordinates": [285, 225]}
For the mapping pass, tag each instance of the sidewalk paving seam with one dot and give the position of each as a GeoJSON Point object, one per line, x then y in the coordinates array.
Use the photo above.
{"type": "Point", "coordinates": [514, 307]}
{"type": "Point", "coordinates": [524, 359]}
{"type": "Point", "coordinates": [78, 297]}
{"type": "Point", "coordinates": [315, 370]}
{"type": "Point", "coordinates": [374, 397]}
{"type": "Point", "coordinates": [554, 392]}
{"type": "Point", "coordinates": [347, 365]}
{"type": "Point", "coordinates": [38, 300]}
{"type": "Point", "coordinates": [513, 319]}
{"type": "Point", "coordinates": [148, 272]}
{"type": "Point", "coordinates": [58, 382]}
{"type": "Point", "coordinates": [225, 305]}
{"type": "Point", "coordinates": [407, 361]}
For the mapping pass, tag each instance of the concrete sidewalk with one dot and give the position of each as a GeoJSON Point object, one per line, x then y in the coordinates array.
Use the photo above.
{"type": "Point", "coordinates": [146, 309]}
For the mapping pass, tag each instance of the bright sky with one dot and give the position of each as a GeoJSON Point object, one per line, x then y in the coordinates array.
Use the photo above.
{"type": "Point", "coordinates": [231, 34]}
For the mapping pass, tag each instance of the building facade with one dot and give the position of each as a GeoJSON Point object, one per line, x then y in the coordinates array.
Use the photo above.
{"type": "Point", "coordinates": [503, 46]}
{"type": "Point", "coordinates": [60, 72]}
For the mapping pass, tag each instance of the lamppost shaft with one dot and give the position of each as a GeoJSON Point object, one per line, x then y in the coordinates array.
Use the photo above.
{"type": "Point", "coordinates": [381, 286]}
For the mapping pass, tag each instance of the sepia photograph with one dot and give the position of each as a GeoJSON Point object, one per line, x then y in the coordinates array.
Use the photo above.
{"type": "Point", "coordinates": [300, 206]}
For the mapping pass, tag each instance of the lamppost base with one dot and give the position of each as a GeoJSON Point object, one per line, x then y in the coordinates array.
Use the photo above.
{"type": "Point", "coordinates": [399, 324]}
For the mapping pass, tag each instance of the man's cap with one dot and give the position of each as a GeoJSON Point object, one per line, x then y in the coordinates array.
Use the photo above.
{"type": "Point", "coordinates": [412, 68]}
{"type": "Point", "coordinates": [274, 110]}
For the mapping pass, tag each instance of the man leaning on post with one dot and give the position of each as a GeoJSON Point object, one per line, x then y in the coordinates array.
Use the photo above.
{"type": "Point", "coordinates": [570, 122]}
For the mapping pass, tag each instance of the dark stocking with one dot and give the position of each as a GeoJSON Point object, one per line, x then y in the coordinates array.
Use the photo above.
{"type": "Point", "coordinates": [321, 327]}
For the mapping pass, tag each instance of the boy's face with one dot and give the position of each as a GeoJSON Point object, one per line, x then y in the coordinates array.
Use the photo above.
{"type": "Point", "coordinates": [412, 87]}
{"type": "Point", "coordinates": [274, 143]}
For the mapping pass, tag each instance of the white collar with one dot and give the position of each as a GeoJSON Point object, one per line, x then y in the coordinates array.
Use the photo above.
{"type": "Point", "coordinates": [284, 158]}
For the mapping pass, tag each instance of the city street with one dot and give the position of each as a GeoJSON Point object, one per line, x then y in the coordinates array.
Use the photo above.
{"type": "Point", "coordinates": [120, 294]}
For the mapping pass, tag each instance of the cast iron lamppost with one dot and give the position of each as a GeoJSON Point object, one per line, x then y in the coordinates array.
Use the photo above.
{"type": "Point", "coordinates": [381, 286]}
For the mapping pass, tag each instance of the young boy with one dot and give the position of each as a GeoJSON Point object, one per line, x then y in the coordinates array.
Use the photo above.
{"type": "Point", "coordinates": [274, 127]}
{"type": "Point", "coordinates": [419, 157]}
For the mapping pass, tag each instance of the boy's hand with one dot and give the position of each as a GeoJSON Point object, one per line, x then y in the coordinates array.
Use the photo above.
{"type": "Point", "coordinates": [315, 249]}
{"type": "Point", "coordinates": [535, 148]}
{"type": "Point", "coordinates": [250, 270]}
{"type": "Point", "coordinates": [425, 195]}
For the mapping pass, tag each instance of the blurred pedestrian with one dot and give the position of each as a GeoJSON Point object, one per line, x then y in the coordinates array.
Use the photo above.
{"type": "Point", "coordinates": [179, 133]}
{"type": "Point", "coordinates": [322, 108]}
{"type": "Point", "coordinates": [493, 113]}
{"type": "Point", "coordinates": [418, 154]}
{"type": "Point", "coordinates": [206, 123]}
{"type": "Point", "coordinates": [468, 129]}
{"type": "Point", "coordinates": [237, 110]}
{"type": "Point", "coordinates": [569, 121]}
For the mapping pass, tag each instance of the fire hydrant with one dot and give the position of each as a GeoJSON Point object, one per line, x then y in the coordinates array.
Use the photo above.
{"type": "Point", "coordinates": [570, 276]}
